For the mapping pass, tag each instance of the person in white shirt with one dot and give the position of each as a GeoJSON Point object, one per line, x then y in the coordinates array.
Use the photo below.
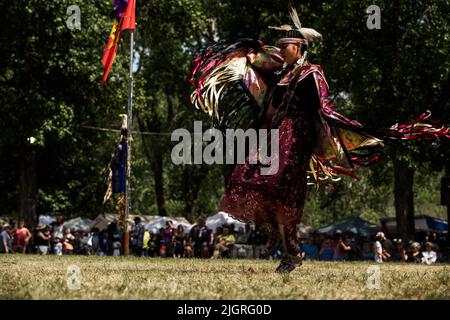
{"type": "Point", "coordinates": [378, 247]}
{"type": "Point", "coordinates": [429, 256]}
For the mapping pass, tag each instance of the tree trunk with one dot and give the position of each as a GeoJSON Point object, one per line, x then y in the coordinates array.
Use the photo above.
{"type": "Point", "coordinates": [403, 174]}
{"type": "Point", "coordinates": [155, 157]}
{"type": "Point", "coordinates": [191, 190]}
{"type": "Point", "coordinates": [157, 167]}
{"type": "Point", "coordinates": [27, 186]}
{"type": "Point", "coordinates": [189, 211]}
{"type": "Point", "coordinates": [404, 199]}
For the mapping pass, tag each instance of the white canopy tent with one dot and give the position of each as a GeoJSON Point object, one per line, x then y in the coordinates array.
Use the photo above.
{"type": "Point", "coordinates": [102, 220]}
{"type": "Point", "coordinates": [79, 223]}
{"type": "Point", "coordinates": [46, 220]}
{"type": "Point", "coordinates": [160, 222]}
{"type": "Point", "coordinates": [304, 230]}
{"type": "Point", "coordinates": [222, 218]}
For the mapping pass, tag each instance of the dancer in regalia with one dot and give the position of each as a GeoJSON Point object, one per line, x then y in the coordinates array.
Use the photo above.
{"type": "Point", "coordinates": [279, 88]}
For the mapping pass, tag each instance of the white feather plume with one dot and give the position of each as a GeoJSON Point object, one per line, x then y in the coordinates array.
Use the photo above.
{"type": "Point", "coordinates": [310, 34]}
{"type": "Point", "coordinates": [284, 27]}
{"type": "Point", "coordinates": [294, 15]}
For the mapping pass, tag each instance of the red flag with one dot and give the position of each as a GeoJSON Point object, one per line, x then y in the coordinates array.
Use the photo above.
{"type": "Point", "coordinates": [111, 49]}
{"type": "Point", "coordinates": [129, 18]}
{"type": "Point", "coordinates": [127, 21]}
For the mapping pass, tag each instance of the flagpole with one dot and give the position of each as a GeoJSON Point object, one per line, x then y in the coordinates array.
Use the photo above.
{"type": "Point", "coordinates": [126, 236]}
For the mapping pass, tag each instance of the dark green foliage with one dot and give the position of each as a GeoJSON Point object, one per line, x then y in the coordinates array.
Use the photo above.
{"type": "Point", "coordinates": [50, 89]}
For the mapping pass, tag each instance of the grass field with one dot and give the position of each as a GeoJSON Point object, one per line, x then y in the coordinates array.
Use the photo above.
{"type": "Point", "coordinates": [45, 277]}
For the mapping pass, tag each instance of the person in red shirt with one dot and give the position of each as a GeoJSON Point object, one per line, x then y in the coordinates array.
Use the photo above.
{"type": "Point", "coordinates": [21, 236]}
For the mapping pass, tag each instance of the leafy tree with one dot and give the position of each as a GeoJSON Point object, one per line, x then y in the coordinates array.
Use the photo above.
{"type": "Point", "coordinates": [50, 88]}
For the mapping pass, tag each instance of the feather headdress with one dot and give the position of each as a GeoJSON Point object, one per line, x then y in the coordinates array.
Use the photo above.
{"type": "Point", "coordinates": [308, 33]}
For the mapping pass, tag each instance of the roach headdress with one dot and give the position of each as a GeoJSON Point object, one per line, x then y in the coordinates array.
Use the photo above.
{"type": "Point", "coordinates": [296, 34]}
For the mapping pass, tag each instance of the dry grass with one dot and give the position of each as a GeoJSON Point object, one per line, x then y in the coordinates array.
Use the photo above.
{"type": "Point", "coordinates": [45, 277]}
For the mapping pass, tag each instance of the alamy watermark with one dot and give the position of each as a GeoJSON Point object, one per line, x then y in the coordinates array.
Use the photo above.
{"type": "Point", "coordinates": [73, 277]}
{"type": "Point", "coordinates": [73, 21]}
{"type": "Point", "coordinates": [374, 277]}
{"type": "Point", "coordinates": [212, 147]}
{"type": "Point", "coordinates": [374, 19]}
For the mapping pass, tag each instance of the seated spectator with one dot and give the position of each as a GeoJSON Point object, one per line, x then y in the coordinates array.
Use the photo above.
{"type": "Point", "coordinates": [219, 232]}
{"type": "Point", "coordinates": [58, 247]}
{"type": "Point", "coordinates": [342, 248]}
{"type": "Point", "coordinates": [399, 252]}
{"type": "Point", "coordinates": [248, 232]}
{"type": "Point", "coordinates": [355, 252]}
{"type": "Point", "coordinates": [241, 236]}
{"type": "Point", "coordinates": [86, 243]}
{"type": "Point", "coordinates": [6, 240]}
{"type": "Point", "coordinates": [170, 247]}
{"type": "Point", "coordinates": [22, 236]}
{"type": "Point", "coordinates": [111, 233]}
{"type": "Point", "coordinates": [169, 231]}
{"type": "Point", "coordinates": [161, 245]}
{"type": "Point", "coordinates": [103, 243]}
{"type": "Point", "coordinates": [414, 255]}
{"type": "Point", "coordinates": [188, 249]}
{"type": "Point", "coordinates": [69, 235]}
{"type": "Point", "coordinates": [429, 256]}
{"type": "Point", "coordinates": [42, 239]}
{"type": "Point", "coordinates": [224, 244]}
{"type": "Point", "coordinates": [367, 252]}
{"type": "Point", "coordinates": [202, 238]}
{"type": "Point", "coordinates": [388, 247]}
{"type": "Point", "coordinates": [232, 229]}
{"type": "Point", "coordinates": [95, 240]}
{"type": "Point", "coordinates": [326, 251]}
{"type": "Point", "coordinates": [257, 236]}
{"type": "Point", "coordinates": [137, 236]}
{"type": "Point", "coordinates": [68, 242]}
{"type": "Point", "coordinates": [145, 246]}
{"type": "Point", "coordinates": [311, 251]}
{"type": "Point", "coordinates": [67, 247]}
{"type": "Point", "coordinates": [180, 240]}
{"type": "Point", "coordinates": [78, 245]}
{"type": "Point", "coordinates": [116, 248]}
{"type": "Point", "coordinates": [153, 244]}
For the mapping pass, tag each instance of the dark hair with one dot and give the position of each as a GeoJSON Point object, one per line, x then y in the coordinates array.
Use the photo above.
{"type": "Point", "coordinates": [297, 34]}
{"type": "Point", "coordinates": [303, 48]}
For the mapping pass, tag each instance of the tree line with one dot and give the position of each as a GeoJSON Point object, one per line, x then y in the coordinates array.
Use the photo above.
{"type": "Point", "coordinates": [52, 160]}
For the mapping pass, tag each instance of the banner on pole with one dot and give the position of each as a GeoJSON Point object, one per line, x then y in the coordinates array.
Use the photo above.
{"type": "Point", "coordinates": [125, 19]}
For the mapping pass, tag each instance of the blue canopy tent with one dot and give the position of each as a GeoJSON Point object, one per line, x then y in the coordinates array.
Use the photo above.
{"type": "Point", "coordinates": [422, 223]}
{"type": "Point", "coordinates": [355, 225]}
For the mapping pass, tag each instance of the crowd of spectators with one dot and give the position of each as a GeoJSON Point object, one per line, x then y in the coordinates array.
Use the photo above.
{"type": "Point", "coordinates": [45, 239]}
{"type": "Point", "coordinates": [199, 242]}
{"type": "Point", "coordinates": [427, 248]}
{"type": "Point", "coordinates": [202, 242]}
{"type": "Point", "coordinates": [168, 241]}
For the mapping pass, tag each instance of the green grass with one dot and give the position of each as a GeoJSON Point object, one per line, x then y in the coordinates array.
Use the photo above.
{"type": "Point", "coordinates": [45, 277]}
